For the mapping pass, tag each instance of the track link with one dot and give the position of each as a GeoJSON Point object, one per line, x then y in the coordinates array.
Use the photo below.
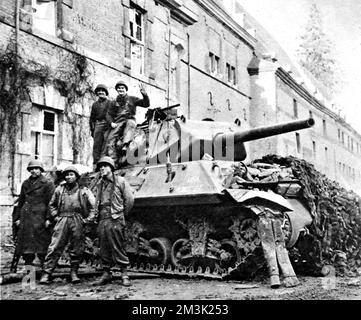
{"type": "Point", "coordinates": [183, 272]}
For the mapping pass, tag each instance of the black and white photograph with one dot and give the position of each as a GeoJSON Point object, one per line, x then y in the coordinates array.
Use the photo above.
{"type": "Point", "coordinates": [178, 157]}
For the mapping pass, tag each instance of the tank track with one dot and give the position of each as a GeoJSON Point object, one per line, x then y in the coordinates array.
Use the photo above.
{"type": "Point", "coordinates": [180, 272]}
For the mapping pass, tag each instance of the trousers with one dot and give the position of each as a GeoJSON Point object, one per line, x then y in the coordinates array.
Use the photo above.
{"type": "Point", "coordinates": [67, 230]}
{"type": "Point", "coordinates": [112, 243]}
{"type": "Point", "coordinates": [124, 130]}
{"type": "Point", "coordinates": [100, 137]}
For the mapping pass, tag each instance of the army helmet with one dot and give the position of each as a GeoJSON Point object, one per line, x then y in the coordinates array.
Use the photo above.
{"type": "Point", "coordinates": [101, 87]}
{"type": "Point", "coordinates": [121, 83]}
{"type": "Point", "coordinates": [35, 164]}
{"type": "Point", "coordinates": [107, 160]}
{"type": "Point", "coordinates": [72, 169]}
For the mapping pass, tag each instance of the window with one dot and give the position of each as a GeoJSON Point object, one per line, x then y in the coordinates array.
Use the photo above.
{"type": "Point", "coordinates": [324, 127]}
{"type": "Point", "coordinates": [310, 114]}
{"type": "Point", "coordinates": [214, 63]}
{"type": "Point", "coordinates": [43, 135]}
{"type": "Point", "coordinates": [231, 74]}
{"type": "Point", "coordinates": [136, 25]}
{"type": "Point", "coordinates": [339, 134]}
{"type": "Point", "coordinates": [343, 138]}
{"type": "Point", "coordinates": [295, 108]}
{"type": "Point", "coordinates": [298, 142]}
{"type": "Point", "coordinates": [44, 16]}
{"type": "Point", "coordinates": [326, 153]}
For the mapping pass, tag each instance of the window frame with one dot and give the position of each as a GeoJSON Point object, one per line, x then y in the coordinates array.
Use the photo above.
{"type": "Point", "coordinates": [41, 131]}
{"type": "Point", "coordinates": [134, 41]}
{"type": "Point", "coordinates": [215, 64]}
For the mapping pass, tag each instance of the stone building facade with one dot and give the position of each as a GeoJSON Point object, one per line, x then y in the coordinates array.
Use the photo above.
{"type": "Point", "coordinates": [190, 52]}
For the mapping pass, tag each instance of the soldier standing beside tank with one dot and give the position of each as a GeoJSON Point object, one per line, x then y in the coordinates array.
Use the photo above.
{"type": "Point", "coordinates": [32, 217]}
{"type": "Point", "coordinates": [98, 123]}
{"type": "Point", "coordinates": [114, 200]}
{"type": "Point", "coordinates": [71, 207]}
{"type": "Point", "coordinates": [121, 116]}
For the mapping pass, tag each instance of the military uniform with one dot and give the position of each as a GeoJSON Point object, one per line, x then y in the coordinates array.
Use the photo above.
{"type": "Point", "coordinates": [114, 199]}
{"type": "Point", "coordinates": [71, 207]}
{"type": "Point", "coordinates": [98, 124]}
{"type": "Point", "coordinates": [33, 237]}
{"type": "Point", "coordinates": [122, 112]}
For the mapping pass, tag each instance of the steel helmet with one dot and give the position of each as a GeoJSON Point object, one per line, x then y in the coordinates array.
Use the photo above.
{"type": "Point", "coordinates": [35, 164]}
{"type": "Point", "coordinates": [101, 87]}
{"type": "Point", "coordinates": [121, 83]}
{"type": "Point", "coordinates": [72, 169]}
{"type": "Point", "coordinates": [107, 160]}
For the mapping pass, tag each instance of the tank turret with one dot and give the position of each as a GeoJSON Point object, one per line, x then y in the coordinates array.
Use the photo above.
{"type": "Point", "coordinates": [189, 140]}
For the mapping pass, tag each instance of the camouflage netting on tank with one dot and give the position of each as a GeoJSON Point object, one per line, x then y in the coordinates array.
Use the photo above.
{"type": "Point", "coordinates": [334, 237]}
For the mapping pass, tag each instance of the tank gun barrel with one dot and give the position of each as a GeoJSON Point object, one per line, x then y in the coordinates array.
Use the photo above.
{"type": "Point", "coordinates": [264, 132]}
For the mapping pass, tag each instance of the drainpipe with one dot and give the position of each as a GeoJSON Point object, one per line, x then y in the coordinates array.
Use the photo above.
{"type": "Point", "coordinates": [189, 75]}
{"type": "Point", "coordinates": [169, 50]}
{"type": "Point", "coordinates": [16, 67]}
{"type": "Point", "coordinates": [17, 23]}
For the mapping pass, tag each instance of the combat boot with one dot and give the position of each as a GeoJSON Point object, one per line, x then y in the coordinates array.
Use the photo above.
{"type": "Point", "coordinates": [126, 282]}
{"type": "Point", "coordinates": [105, 278]}
{"type": "Point", "coordinates": [74, 275]}
{"type": "Point", "coordinates": [125, 278]}
{"type": "Point", "coordinates": [45, 278]}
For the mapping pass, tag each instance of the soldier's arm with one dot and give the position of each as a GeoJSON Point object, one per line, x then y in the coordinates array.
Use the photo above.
{"type": "Point", "coordinates": [144, 103]}
{"type": "Point", "coordinates": [92, 119]}
{"type": "Point", "coordinates": [112, 112]}
{"type": "Point", "coordinates": [91, 205]}
{"type": "Point", "coordinates": [53, 204]}
{"type": "Point", "coordinates": [50, 192]}
{"type": "Point", "coordinates": [128, 196]}
{"type": "Point", "coordinates": [21, 201]}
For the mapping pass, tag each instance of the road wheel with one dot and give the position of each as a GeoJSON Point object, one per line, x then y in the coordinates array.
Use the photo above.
{"type": "Point", "coordinates": [163, 247]}
{"type": "Point", "coordinates": [179, 250]}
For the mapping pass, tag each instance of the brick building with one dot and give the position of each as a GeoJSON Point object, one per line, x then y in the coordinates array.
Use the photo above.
{"type": "Point", "coordinates": [190, 52]}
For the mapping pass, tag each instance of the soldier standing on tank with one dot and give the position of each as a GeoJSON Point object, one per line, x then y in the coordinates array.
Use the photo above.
{"type": "Point", "coordinates": [114, 200]}
{"type": "Point", "coordinates": [98, 124]}
{"type": "Point", "coordinates": [71, 207]}
{"type": "Point", "coordinates": [121, 116]}
{"type": "Point", "coordinates": [32, 217]}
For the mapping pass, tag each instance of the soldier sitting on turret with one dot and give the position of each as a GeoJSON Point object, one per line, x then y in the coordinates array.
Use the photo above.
{"type": "Point", "coordinates": [121, 116]}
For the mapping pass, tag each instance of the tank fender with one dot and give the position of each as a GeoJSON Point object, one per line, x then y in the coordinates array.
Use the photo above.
{"type": "Point", "coordinates": [260, 198]}
{"type": "Point", "coordinates": [299, 219]}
